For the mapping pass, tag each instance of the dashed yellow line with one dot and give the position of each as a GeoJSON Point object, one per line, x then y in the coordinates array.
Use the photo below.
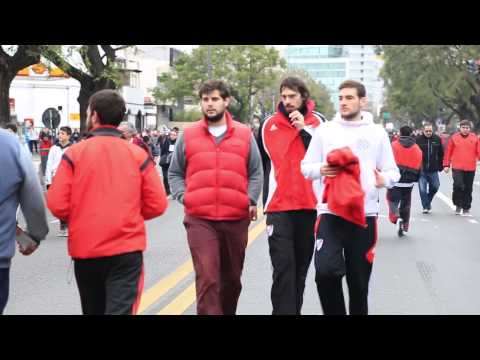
{"type": "Point", "coordinates": [181, 303]}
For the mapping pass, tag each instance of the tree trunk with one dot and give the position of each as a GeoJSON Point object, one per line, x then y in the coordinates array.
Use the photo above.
{"type": "Point", "coordinates": [88, 87]}
{"type": "Point", "coordinates": [5, 81]}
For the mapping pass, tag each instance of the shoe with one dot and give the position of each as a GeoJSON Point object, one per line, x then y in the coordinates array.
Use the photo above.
{"type": "Point", "coordinates": [63, 233]}
{"type": "Point", "coordinates": [400, 227]}
{"type": "Point", "coordinates": [425, 211]}
{"type": "Point", "coordinates": [466, 213]}
{"type": "Point", "coordinates": [458, 210]}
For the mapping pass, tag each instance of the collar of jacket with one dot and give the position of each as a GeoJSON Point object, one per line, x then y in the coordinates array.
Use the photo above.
{"type": "Point", "coordinates": [105, 130]}
{"type": "Point", "coordinates": [306, 109]}
{"type": "Point", "coordinates": [406, 141]}
{"type": "Point", "coordinates": [230, 128]}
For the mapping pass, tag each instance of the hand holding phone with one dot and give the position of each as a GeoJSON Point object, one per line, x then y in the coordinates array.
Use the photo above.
{"type": "Point", "coordinates": [26, 244]}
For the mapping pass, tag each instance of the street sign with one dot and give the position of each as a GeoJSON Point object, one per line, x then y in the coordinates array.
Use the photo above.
{"type": "Point", "coordinates": [51, 118]}
{"type": "Point", "coordinates": [386, 116]}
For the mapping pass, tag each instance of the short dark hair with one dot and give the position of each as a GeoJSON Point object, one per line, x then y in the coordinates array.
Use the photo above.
{"type": "Point", "coordinates": [352, 84]}
{"type": "Point", "coordinates": [66, 129]}
{"type": "Point", "coordinates": [406, 130]}
{"type": "Point", "coordinates": [465, 123]}
{"type": "Point", "coordinates": [295, 84]}
{"type": "Point", "coordinates": [211, 85]}
{"type": "Point", "coordinates": [109, 105]}
{"type": "Point", "coordinates": [12, 126]}
{"type": "Point", "coordinates": [146, 139]}
{"type": "Point", "coordinates": [175, 128]}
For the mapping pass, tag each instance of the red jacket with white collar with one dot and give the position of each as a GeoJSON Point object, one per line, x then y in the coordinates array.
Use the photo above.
{"type": "Point", "coordinates": [283, 147]}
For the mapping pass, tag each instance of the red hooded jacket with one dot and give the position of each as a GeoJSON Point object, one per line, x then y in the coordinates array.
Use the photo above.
{"type": "Point", "coordinates": [343, 193]}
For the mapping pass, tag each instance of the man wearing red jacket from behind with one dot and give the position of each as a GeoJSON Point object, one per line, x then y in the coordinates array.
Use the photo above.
{"type": "Point", "coordinates": [408, 157]}
{"type": "Point", "coordinates": [106, 187]}
{"type": "Point", "coordinates": [462, 153]}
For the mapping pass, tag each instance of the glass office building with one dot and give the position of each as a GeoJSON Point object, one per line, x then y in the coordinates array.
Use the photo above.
{"type": "Point", "coordinates": [332, 64]}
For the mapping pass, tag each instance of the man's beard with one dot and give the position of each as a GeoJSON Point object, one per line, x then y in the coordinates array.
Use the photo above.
{"type": "Point", "coordinates": [214, 118]}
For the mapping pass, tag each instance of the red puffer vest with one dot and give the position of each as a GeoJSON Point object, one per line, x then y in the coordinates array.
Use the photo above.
{"type": "Point", "coordinates": [217, 174]}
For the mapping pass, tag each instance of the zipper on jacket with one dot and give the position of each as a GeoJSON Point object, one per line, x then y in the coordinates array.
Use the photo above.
{"type": "Point", "coordinates": [428, 152]}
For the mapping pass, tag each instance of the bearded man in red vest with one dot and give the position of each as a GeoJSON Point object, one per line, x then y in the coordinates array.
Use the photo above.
{"type": "Point", "coordinates": [216, 173]}
{"type": "Point", "coordinates": [408, 157]}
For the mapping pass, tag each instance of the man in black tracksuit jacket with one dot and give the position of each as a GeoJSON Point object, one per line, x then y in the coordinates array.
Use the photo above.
{"type": "Point", "coordinates": [432, 149]}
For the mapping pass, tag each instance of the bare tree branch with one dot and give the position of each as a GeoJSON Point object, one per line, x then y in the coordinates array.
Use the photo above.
{"type": "Point", "coordinates": [95, 59]}
{"type": "Point", "coordinates": [3, 54]}
{"type": "Point", "coordinates": [25, 56]}
{"type": "Point", "coordinates": [58, 60]}
{"type": "Point", "coordinates": [110, 52]}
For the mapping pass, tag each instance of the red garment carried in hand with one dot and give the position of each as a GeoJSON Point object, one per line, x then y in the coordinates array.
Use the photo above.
{"type": "Point", "coordinates": [343, 193]}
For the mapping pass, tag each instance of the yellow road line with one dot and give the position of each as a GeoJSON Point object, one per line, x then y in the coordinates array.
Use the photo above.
{"type": "Point", "coordinates": [150, 296]}
{"type": "Point", "coordinates": [187, 297]}
{"type": "Point", "coordinates": [181, 302]}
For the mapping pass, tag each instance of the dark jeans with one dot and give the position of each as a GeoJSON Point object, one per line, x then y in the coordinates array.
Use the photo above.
{"type": "Point", "coordinates": [218, 254]}
{"type": "Point", "coordinates": [428, 185]}
{"type": "Point", "coordinates": [291, 240]}
{"type": "Point", "coordinates": [43, 165]}
{"type": "Point", "coordinates": [110, 285]}
{"type": "Point", "coordinates": [165, 178]}
{"type": "Point", "coordinates": [399, 203]}
{"type": "Point", "coordinates": [33, 144]}
{"type": "Point", "coordinates": [4, 287]}
{"type": "Point", "coordinates": [343, 248]}
{"type": "Point", "coordinates": [462, 188]}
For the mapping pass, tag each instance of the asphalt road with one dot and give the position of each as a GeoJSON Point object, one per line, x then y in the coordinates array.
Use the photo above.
{"type": "Point", "coordinates": [433, 270]}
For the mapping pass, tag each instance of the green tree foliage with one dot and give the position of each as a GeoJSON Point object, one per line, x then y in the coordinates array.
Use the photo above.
{"type": "Point", "coordinates": [426, 81]}
{"type": "Point", "coordinates": [246, 68]}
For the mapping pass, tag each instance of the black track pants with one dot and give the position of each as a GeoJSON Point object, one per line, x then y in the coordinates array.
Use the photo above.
{"type": "Point", "coordinates": [110, 285]}
{"type": "Point", "coordinates": [290, 239]}
{"type": "Point", "coordinates": [343, 248]}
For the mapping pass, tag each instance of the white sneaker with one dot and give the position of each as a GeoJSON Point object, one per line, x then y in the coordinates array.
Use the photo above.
{"type": "Point", "coordinates": [63, 233]}
{"type": "Point", "coordinates": [458, 210]}
{"type": "Point", "coordinates": [466, 213]}
{"type": "Point", "coordinates": [425, 211]}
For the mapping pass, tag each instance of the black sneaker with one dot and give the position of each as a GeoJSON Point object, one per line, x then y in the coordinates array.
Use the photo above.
{"type": "Point", "coordinates": [458, 210]}
{"type": "Point", "coordinates": [466, 213]}
{"type": "Point", "coordinates": [400, 227]}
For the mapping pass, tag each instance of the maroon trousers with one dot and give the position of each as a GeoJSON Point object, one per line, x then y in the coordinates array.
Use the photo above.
{"type": "Point", "coordinates": [218, 253]}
